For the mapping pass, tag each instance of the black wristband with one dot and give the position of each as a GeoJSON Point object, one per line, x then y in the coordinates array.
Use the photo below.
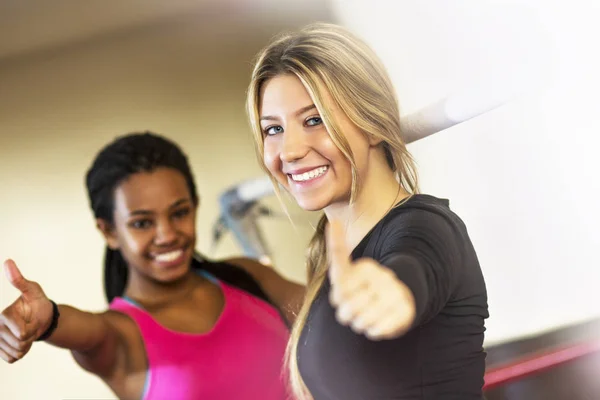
{"type": "Point", "coordinates": [53, 324]}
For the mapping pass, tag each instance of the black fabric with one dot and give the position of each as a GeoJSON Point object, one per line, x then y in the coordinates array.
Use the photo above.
{"type": "Point", "coordinates": [442, 356]}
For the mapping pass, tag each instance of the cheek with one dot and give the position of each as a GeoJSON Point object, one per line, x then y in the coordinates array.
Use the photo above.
{"type": "Point", "coordinates": [330, 151]}
{"type": "Point", "coordinates": [134, 242]}
{"type": "Point", "coordinates": [343, 173]}
{"type": "Point", "coordinates": [271, 157]}
{"type": "Point", "coordinates": [188, 226]}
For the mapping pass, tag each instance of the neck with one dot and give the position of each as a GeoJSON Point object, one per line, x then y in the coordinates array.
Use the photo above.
{"type": "Point", "coordinates": [378, 192]}
{"type": "Point", "coordinates": [151, 293]}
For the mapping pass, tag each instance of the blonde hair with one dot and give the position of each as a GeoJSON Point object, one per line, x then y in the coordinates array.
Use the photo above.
{"type": "Point", "coordinates": [329, 59]}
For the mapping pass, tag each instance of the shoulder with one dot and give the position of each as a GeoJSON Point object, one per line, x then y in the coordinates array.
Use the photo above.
{"type": "Point", "coordinates": [245, 263]}
{"type": "Point", "coordinates": [421, 223]}
{"type": "Point", "coordinates": [121, 322]}
{"type": "Point", "coordinates": [421, 213]}
{"type": "Point", "coordinates": [264, 275]}
{"type": "Point", "coordinates": [285, 294]}
{"type": "Point", "coordinates": [236, 270]}
{"type": "Point", "coordinates": [235, 273]}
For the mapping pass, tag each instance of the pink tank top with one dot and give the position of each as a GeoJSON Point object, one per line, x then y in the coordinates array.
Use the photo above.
{"type": "Point", "coordinates": [240, 358]}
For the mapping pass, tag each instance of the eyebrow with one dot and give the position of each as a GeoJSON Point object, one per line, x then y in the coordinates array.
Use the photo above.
{"type": "Point", "coordinates": [148, 212]}
{"type": "Point", "coordinates": [298, 112]}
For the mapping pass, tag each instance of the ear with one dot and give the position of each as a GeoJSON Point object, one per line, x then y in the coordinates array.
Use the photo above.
{"type": "Point", "coordinates": [374, 141]}
{"type": "Point", "coordinates": [108, 231]}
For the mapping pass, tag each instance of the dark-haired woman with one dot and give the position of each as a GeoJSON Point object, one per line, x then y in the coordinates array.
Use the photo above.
{"type": "Point", "coordinates": [177, 327]}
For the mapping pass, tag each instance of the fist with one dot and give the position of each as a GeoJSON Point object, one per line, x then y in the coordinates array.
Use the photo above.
{"type": "Point", "coordinates": [24, 320]}
{"type": "Point", "coordinates": [367, 296]}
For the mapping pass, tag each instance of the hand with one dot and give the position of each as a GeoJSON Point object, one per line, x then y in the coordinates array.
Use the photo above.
{"type": "Point", "coordinates": [24, 320]}
{"type": "Point", "coordinates": [367, 296]}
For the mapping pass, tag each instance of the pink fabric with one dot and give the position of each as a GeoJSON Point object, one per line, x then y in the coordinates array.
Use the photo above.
{"type": "Point", "coordinates": [240, 358]}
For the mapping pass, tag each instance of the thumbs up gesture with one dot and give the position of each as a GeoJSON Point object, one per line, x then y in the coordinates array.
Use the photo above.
{"type": "Point", "coordinates": [367, 296]}
{"type": "Point", "coordinates": [24, 320]}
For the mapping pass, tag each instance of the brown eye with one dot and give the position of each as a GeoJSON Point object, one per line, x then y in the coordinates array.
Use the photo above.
{"type": "Point", "coordinates": [184, 212]}
{"type": "Point", "coordinates": [141, 224]}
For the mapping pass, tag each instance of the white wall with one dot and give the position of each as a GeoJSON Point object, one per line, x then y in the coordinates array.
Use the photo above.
{"type": "Point", "coordinates": [523, 177]}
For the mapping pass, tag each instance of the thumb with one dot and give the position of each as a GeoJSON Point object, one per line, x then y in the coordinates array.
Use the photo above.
{"type": "Point", "coordinates": [16, 278]}
{"type": "Point", "coordinates": [338, 252]}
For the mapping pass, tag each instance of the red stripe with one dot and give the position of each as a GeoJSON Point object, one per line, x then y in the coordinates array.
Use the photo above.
{"type": "Point", "coordinates": [531, 365]}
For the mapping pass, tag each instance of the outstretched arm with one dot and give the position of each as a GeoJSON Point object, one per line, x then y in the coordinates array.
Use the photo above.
{"type": "Point", "coordinates": [286, 295]}
{"type": "Point", "coordinates": [93, 341]}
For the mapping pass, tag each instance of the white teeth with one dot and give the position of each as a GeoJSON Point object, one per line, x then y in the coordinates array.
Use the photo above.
{"type": "Point", "coordinates": [315, 173]}
{"type": "Point", "coordinates": [170, 256]}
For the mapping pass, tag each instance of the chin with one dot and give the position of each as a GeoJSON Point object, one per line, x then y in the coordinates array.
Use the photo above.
{"type": "Point", "coordinates": [172, 274]}
{"type": "Point", "coordinates": [311, 204]}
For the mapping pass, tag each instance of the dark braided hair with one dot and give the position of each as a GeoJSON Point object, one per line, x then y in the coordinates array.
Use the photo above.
{"type": "Point", "coordinates": [145, 152]}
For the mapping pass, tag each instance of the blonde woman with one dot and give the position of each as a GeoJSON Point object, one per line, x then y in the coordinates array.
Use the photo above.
{"type": "Point", "coordinates": [396, 300]}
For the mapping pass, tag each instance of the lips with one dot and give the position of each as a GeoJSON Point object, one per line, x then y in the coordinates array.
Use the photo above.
{"type": "Point", "coordinates": [170, 258]}
{"type": "Point", "coordinates": [307, 175]}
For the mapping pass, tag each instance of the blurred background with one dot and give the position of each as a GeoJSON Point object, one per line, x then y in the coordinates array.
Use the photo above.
{"type": "Point", "coordinates": [76, 74]}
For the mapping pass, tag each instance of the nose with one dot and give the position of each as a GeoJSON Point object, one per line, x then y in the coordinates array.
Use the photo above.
{"type": "Point", "coordinates": [166, 233]}
{"type": "Point", "coordinates": [293, 145]}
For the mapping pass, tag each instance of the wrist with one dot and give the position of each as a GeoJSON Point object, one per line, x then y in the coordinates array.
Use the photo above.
{"type": "Point", "coordinates": [52, 323]}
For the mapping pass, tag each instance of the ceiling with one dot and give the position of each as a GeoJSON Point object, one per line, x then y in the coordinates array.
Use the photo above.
{"type": "Point", "coordinates": [30, 26]}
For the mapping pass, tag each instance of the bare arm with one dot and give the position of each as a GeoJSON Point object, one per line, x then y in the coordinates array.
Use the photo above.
{"type": "Point", "coordinates": [286, 295]}
{"type": "Point", "coordinates": [91, 338]}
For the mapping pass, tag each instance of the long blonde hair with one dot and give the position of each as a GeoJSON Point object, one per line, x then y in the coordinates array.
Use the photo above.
{"type": "Point", "coordinates": [329, 59]}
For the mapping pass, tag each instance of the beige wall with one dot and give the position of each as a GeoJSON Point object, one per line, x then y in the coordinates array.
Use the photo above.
{"type": "Point", "coordinates": [186, 80]}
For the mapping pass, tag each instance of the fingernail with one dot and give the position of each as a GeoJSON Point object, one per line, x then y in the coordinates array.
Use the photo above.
{"type": "Point", "coordinates": [344, 314]}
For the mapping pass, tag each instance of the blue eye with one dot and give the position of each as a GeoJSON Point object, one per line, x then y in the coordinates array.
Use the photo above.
{"type": "Point", "coordinates": [313, 121]}
{"type": "Point", "coordinates": [273, 130]}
